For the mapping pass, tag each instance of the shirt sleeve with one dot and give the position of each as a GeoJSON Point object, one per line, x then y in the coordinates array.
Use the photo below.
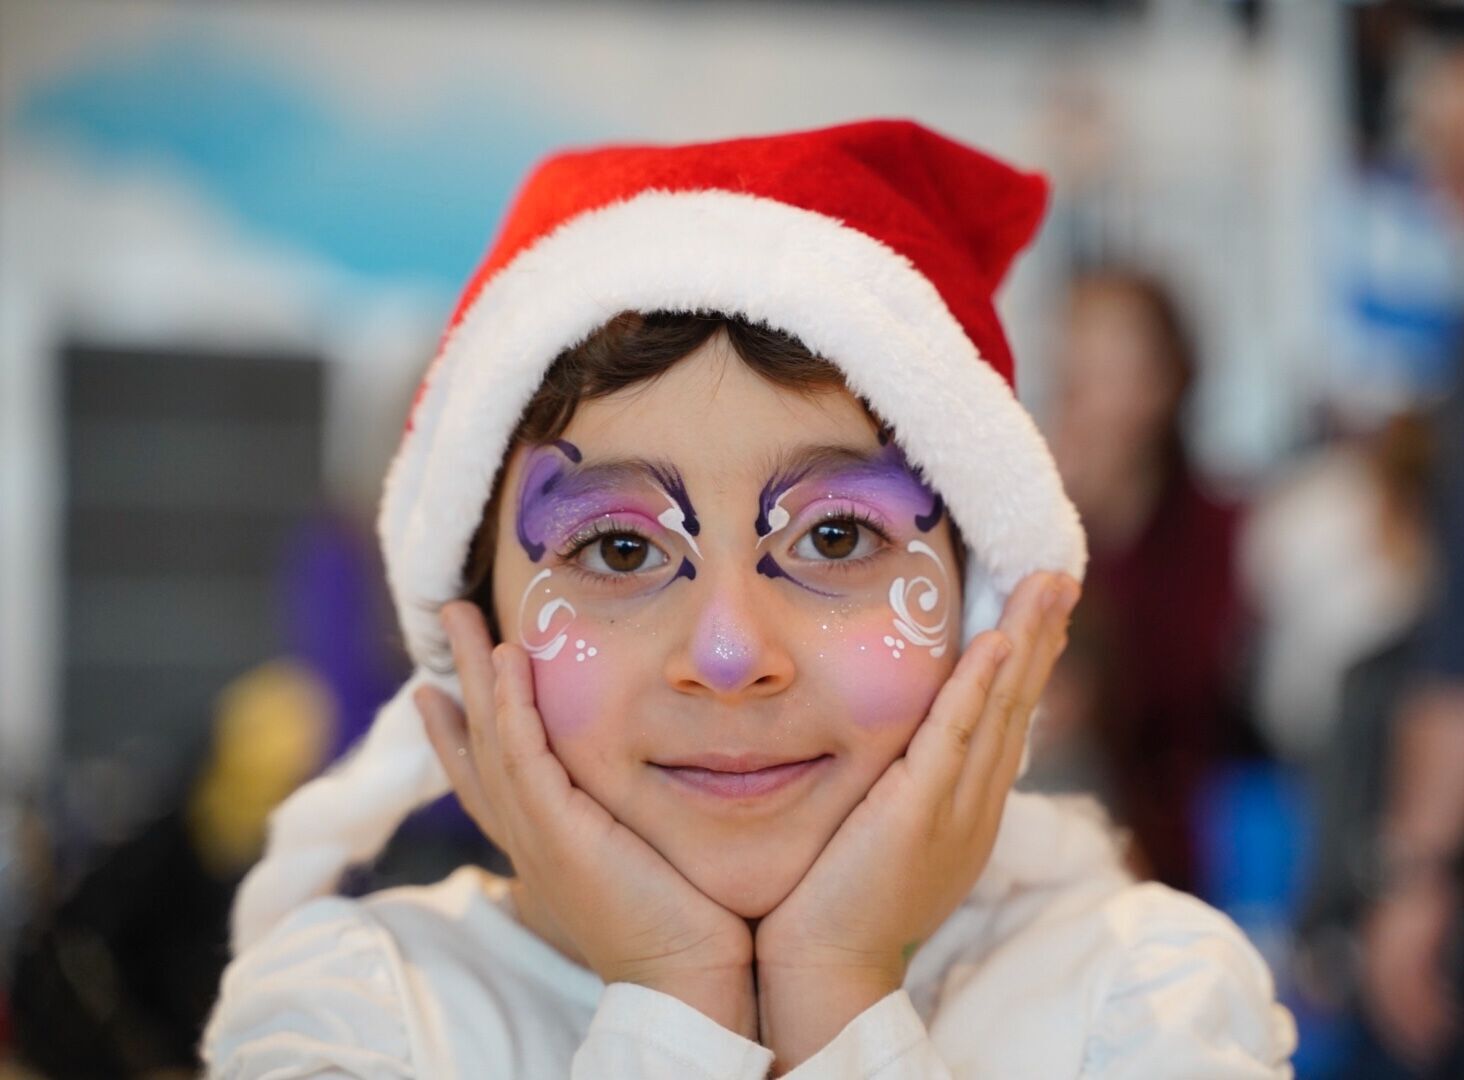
{"type": "Point", "coordinates": [317, 997]}
{"type": "Point", "coordinates": [1186, 995]}
{"type": "Point", "coordinates": [643, 1033]}
{"type": "Point", "coordinates": [887, 1041]}
{"type": "Point", "coordinates": [1189, 996]}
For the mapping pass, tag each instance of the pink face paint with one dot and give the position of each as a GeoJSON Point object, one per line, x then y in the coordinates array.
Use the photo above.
{"type": "Point", "coordinates": [569, 693]}
{"type": "Point", "coordinates": [874, 696]}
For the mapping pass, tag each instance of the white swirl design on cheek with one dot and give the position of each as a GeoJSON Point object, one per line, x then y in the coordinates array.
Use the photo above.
{"type": "Point", "coordinates": [926, 595]}
{"type": "Point", "coordinates": [545, 649]}
{"type": "Point", "coordinates": [674, 518]}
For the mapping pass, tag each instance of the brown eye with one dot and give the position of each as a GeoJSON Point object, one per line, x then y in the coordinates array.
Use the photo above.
{"type": "Point", "coordinates": [620, 553]}
{"type": "Point", "coordinates": [835, 539]}
{"type": "Point", "coordinates": [623, 553]}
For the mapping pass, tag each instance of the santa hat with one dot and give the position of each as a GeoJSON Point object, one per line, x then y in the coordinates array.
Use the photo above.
{"type": "Point", "coordinates": [878, 244]}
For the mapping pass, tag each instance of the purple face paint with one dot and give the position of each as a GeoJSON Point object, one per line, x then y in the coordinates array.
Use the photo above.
{"type": "Point", "coordinates": [675, 487]}
{"type": "Point", "coordinates": [884, 481]}
{"type": "Point", "coordinates": [889, 482]}
{"type": "Point", "coordinates": [770, 516]}
{"type": "Point", "coordinates": [722, 654]}
{"type": "Point", "coordinates": [768, 566]}
{"type": "Point", "coordinates": [542, 474]}
{"type": "Point", "coordinates": [559, 496]}
{"type": "Point", "coordinates": [926, 522]}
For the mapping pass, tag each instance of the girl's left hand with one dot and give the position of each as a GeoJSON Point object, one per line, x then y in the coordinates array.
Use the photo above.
{"type": "Point", "coordinates": [913, 848]}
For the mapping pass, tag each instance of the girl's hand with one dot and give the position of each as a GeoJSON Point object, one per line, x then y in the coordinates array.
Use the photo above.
{"type": "Point", "coordinates": [592, 884]}
{"type": "Point", "coordinates": [913, 848]}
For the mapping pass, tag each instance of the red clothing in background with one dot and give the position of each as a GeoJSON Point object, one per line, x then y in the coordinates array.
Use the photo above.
{"type": "Point", "coordinates": [1167, 611]}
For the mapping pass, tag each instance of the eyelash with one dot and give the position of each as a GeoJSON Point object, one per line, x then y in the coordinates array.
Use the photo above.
{"type": "Point", "coordinates": [569, 557]}
{"type": "Point", "coordinates": [861, 517]}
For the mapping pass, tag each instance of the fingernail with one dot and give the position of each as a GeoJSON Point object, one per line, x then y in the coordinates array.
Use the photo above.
{"type": "Point", "coordinates": [1051, 597]}
{"type": "Point", "coordinates": [1002, 650]}
{"type": "Point", "coordinates": [497, 662]}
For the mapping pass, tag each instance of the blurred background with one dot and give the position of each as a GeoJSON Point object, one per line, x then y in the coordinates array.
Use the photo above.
{"type": "Point", "coordinates": [230, 234]}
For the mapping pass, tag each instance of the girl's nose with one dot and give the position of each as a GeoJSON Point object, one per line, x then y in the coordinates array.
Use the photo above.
{"type": "Point", "coordinates": [732, 652]}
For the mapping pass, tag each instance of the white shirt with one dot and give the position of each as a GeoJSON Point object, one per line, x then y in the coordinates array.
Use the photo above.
{"type": "Point", "coordinates": [1056, 965]}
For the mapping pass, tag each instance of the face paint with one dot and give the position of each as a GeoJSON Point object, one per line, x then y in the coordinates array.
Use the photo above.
{"type": "Point", "coordinates": [680, 516]}
{"type": "Point", "coordinates": [722, 654]}
{"type": "Point", "coordinates": [768, 566]}
{"type": "Point", "coordinates": [888, 481]}
{"type": "Point", "coordinates": [919, 629]}
{"type": "Point", "coordinates": [546, 504]}
{"type": "Point", "coordinates": [771, 517]}
{"type": "Point", "coordinates": [544, 636]}
{"type": "Point", "coordinates": [556, 499]}
{"type": "Point", "coordinates": [885, 480]}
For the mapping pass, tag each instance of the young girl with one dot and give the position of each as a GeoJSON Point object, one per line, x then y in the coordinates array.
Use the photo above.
{"type": "Point", "coordinates": [733, 571]}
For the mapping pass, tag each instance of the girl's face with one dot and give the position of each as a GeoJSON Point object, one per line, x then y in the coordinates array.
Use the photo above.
{"type": "Point", "coordinates": [739, 604]}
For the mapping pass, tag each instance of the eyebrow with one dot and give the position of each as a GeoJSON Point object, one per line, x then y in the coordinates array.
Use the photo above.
{"type": "Point", "coordinates": [583, 477]}
{"type": "Point", "coordinates": [802, 461]}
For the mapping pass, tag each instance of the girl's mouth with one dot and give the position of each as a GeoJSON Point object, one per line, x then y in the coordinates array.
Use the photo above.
{"type": "Point", "coordinates": [733, 778]}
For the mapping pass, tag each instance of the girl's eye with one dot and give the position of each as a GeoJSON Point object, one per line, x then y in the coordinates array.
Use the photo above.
{"type": "Point", "coordinates": [838, 540]}
{"type": "Point", "coordinates": [620, 553]}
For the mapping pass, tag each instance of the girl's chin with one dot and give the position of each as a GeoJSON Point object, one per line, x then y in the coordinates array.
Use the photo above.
{"type": "Point", "coordinates": [750, 890]}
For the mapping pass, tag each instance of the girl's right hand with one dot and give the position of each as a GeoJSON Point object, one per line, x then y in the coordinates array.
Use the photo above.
{"type": "Point", "coordinates": [595, 885]}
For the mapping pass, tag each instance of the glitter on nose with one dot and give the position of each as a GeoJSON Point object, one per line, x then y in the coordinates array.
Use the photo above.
{"type": "Point", "coordinates": [723, 654]}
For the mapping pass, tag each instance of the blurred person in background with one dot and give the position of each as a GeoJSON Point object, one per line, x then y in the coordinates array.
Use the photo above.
{"type": "Point", "coordinates": [1413, 954]}
{"type": "Point", "coordinates": [1375, 668]}
{"type": "Point", "coordinates": [1157, 640]}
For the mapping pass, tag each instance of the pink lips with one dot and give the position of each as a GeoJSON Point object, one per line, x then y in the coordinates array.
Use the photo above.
{"type": "Point", "coordinates": [741, 777]}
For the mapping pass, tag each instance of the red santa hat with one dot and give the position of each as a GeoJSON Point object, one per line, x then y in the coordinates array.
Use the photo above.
{"type": "Point", "coordinates": [878, 244]}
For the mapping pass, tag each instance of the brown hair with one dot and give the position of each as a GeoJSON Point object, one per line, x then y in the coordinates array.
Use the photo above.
{"type": "Point", "coordinates": [1169, 326]}
{"type": "Point", "coordinates": [631, 348]}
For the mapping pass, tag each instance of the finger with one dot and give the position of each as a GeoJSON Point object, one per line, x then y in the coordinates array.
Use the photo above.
{"type": "Point", "coordinates": [969, 714]}
{"type": "Point", "coordinates": [535, 777]}
{"type": "Point", "coordinates": [447, 730]}
{"type": "Point", "coordinates": [472, 650]}
{"type": "Point", "coordinates": [1007, 706]}
{"type": "Point", "coordinates": [1058, 602]}
{"type": "Point", "coordinates": [942, 743]}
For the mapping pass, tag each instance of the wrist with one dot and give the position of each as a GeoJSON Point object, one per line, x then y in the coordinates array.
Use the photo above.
{"type": "Point", "coordinates": [802, 1009]}
{"type": "Point", "coordinates": [726, 995]}
{"type": "Point", "coordinates": [802, 962]}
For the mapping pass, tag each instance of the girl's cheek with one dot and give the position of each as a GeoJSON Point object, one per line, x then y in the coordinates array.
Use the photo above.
{"type": "Point", "coordinates": [572, 688]}
{"type": "Point", "coordinates": [878, 688]}
{"type": "Point", "coordinates": [570, 670]}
